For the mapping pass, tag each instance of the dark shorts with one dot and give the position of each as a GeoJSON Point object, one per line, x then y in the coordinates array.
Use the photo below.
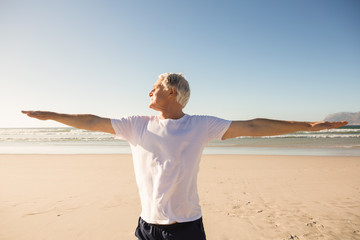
{"type": "Point", "coordinates": [179, 231]}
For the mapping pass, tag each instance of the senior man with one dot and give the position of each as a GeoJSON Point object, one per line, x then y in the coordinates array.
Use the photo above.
{"type": "Point", "coordinates": [166, 152]}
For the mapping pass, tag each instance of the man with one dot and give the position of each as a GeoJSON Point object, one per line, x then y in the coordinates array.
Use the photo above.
{"type": "Point", "coordinates": [166, 152]}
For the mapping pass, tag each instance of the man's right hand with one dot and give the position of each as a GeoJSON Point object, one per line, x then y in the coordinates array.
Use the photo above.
{"type": "Point", "coordinates": [41, 115]}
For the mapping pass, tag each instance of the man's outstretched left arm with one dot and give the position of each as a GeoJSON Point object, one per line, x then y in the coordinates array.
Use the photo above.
{"type": "Point", "coordinates": [268, 127]}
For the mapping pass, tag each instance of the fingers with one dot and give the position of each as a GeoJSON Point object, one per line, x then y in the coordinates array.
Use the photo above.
{"type": "Point", "coordinates": [37, 114]}
{"type": "Point", "coordinates": [27, 112]}
{"type": "Point", "coordinates": [337, 124]}
{"type": "Point", "coordinates": [30, 113]}
{"type": "Point", "coordinates": [341, 124]}
{"type": "Point", "coordinates": [317, 126]}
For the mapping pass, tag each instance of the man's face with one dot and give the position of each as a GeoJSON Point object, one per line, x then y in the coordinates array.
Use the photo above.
{"type": "Point", "coordinates": [158, 96]}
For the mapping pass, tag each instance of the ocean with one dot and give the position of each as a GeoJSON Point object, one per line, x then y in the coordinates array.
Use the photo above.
{"type": "Point", "coordinates": [343, 141]}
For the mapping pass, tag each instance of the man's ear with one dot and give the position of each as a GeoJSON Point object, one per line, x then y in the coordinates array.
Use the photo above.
{"type": "Point", "coordinates": [173, 92]}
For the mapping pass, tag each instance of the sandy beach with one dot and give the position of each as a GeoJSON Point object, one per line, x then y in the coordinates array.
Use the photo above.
{"type": "Point", "coordinates": [95, 197]}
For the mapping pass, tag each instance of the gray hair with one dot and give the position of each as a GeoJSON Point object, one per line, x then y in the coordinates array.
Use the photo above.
{"type": "Point", "coordinates": [178, 81]}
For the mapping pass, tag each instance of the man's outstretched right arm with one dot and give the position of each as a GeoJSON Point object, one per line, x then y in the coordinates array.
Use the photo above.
{"type": "Point", "coordinates": [81, 121]}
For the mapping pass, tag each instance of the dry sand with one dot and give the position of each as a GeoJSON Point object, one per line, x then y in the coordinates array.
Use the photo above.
{"type": "Point", "coordinates": [94, 197]}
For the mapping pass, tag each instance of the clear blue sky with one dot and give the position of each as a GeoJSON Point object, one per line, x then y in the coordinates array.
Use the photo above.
{"type": "Point", "coordinates": [281, 59]}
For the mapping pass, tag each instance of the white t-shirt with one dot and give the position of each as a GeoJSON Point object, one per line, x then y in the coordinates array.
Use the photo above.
{"type": "Point", "coordinates": [166, 155]}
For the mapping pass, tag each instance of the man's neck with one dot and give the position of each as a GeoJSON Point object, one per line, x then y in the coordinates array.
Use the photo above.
{"type": "Point", "coordinates": [171, 115]}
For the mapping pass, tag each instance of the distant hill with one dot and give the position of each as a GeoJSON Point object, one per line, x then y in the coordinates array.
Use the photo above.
{"type": "Point", "coordinates": [352, 118]}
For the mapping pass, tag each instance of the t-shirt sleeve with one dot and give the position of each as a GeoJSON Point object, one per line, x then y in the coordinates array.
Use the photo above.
{"type": "Point", "coordinates": [128, 128]}
{"type": "Point", "coordinates": [217, 127]}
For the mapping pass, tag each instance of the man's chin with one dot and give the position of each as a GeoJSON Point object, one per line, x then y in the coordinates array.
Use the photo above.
{"type": "Point", "coordinates": [152, 106]}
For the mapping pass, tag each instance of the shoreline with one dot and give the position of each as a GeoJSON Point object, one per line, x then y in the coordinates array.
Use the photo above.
{"type": "Point", "coordinates": [210, 150]}
{"type": "Point", "coordinates": [337, 142]}
{"type": "Point", "coordinates": [203, 155]}
{"type": "Point", "coordinates": [94, 196]}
